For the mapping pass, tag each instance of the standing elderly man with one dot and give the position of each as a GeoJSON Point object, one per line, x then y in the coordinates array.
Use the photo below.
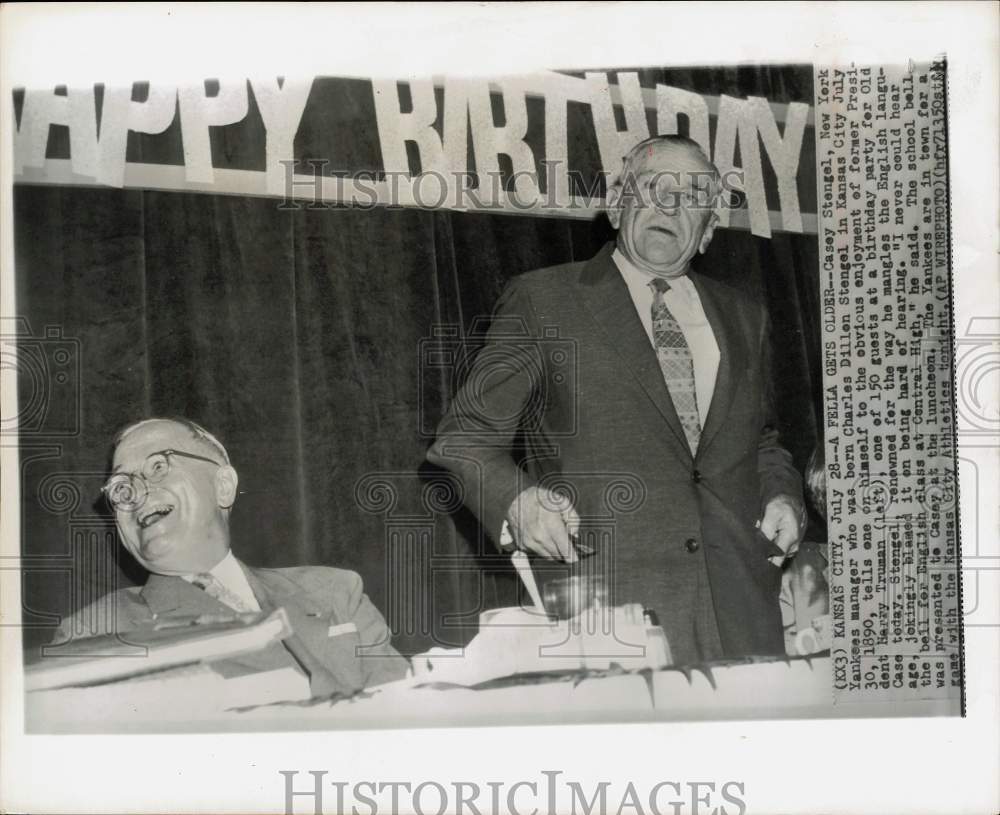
{"type": "Point", "coordinates": [669, 393]}
{"type": "Point", "coordinates": [172, 490]}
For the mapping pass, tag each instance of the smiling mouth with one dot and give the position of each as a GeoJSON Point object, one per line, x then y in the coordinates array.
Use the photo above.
{"type": "Point", "coordinates": [154, 515]}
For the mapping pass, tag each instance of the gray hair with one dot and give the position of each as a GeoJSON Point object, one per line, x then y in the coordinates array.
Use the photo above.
{"type": "Point", "coordinates": [671, 140]}
{"type": "Point", "coordinates": [198, 433]}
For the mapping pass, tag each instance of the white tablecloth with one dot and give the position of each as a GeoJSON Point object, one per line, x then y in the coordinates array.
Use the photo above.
{"type": "Point", "coordinates": [795, 689]}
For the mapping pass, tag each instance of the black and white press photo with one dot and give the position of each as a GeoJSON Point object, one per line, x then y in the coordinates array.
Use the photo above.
{"type": "Point", "coordinates": [427, 390]}
{"type": "Point", "coordinates": [344, 402]}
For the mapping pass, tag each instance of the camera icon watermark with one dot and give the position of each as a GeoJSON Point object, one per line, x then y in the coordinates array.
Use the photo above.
{"type": "Point", "coordinates": [70, 576]}
{"type": "Point", "coordinates": [977, 381]}
{"type": "Point", "coordinates": [46, 370]}
{"type": "Point", "coordinates": [484, 367]}
{"type": "Point", "coordinates": [410, 507]}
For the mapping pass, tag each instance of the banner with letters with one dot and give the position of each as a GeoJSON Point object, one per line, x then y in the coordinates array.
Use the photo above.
{"type": "Point", "coordinates": [499, 145]}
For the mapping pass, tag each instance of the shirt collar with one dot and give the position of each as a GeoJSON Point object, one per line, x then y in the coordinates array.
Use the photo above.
{"type": "Point", "coordinates": [637, 278]}
{"type": "Point", "coordinates": [227, 571]}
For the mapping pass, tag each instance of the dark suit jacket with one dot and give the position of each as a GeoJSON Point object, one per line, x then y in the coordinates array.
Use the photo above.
{"type": "Point", "coordinates": [316, 598]}
{"type": "Point", "coordinates": [673, 532]}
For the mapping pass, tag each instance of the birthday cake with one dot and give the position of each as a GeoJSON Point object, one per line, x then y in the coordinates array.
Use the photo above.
{"type": "Point", "coordinates": [523, 641]}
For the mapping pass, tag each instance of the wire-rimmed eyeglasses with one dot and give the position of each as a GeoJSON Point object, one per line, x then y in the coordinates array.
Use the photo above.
{"type": "Point", "coordinates": [126, 492]}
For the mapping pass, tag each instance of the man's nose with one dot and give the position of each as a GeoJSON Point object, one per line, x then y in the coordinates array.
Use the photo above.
{"type": "Point", "coordinates": [667, 202]}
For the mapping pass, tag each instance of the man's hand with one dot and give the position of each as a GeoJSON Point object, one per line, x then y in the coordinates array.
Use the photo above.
{"type": "Point", "coordinates": [784, 523]}
{"type": "Point", "coordinates": [541, 521]}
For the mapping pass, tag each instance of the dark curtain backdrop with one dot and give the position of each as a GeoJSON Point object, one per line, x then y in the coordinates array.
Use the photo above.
{"type": "Point", "coordinates": [297, 337]}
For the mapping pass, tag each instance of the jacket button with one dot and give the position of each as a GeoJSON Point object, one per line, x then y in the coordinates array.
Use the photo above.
{"type": "Point", "coordinates": [696, 477]}
{"type": "Point", "coordinates": [692, 545]}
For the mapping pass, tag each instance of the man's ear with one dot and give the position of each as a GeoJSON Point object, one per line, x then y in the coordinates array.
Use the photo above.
{"type": "Point", "coordinates": [706, 236]}
{"type": "Point", "coordinates": [226, 482]}
{"type": "Point", "coordinates": [614, 205]}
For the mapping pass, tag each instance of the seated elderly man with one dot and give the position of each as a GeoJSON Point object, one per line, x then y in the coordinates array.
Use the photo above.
{"type": "Point", "coordinates": [172, 490]}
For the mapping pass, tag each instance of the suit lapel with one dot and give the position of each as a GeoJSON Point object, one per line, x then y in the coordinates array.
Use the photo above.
{"type": "Point", "coordinates": [726, 322]}
{"type": "Point", "coordinates": [607, 298]}
{"type": "Point", "coordinates": [330, 662]}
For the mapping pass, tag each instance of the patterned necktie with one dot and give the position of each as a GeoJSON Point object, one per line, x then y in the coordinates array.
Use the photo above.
{"type": "Point", "coordinates": [213, 587]}
{"type": "Point", "coordinates": [676, 363]}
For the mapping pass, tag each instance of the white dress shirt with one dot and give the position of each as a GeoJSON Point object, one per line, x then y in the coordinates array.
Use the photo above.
{"type": "Point", "coordinates": [228, 572]}
{"type": "Point", "coordinates": [685, 305]}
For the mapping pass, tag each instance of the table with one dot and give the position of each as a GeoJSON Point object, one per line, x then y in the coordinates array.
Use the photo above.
{"type": "Point", "coordinates": [782, 689]}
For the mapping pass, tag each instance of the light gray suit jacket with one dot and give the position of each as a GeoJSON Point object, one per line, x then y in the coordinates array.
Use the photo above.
{"type": "Point", "coordinates": [319, 601]}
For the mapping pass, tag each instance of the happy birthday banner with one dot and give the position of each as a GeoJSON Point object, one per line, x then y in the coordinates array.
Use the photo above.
{"type": "Point", "coordinates": [506, 145]}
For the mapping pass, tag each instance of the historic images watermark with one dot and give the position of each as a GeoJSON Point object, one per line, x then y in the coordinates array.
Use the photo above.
{"type": "Point", "coordinates": [549, 793]}
{"type": "Point", "coordinates": [464, 190]}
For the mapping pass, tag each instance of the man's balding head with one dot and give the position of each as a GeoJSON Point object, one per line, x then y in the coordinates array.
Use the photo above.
{"type": "Point", "coordinates": [199, 435]}
{"type": "Point", "coordinates": [681, 144]}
